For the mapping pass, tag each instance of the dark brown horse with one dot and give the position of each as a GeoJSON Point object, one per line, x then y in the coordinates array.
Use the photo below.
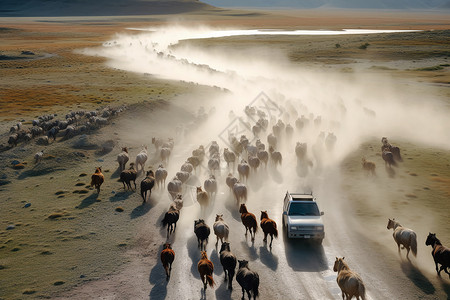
{"type": "Point", "coordinates": [248, 280]}
{"type": "Point", "coordinates": [167, 258]}
{"type": "Point", "coordinates": [228, 261]}
{"type": "Point", "coordinates": [269, 227]}
{"type": "Point", "coordinates": [202, 232]}
{"type": "Point", "coordinates": [441, 254]}
{"type": "Point", "coordinates": [206, 268]}
{"type": "Point", "coordinates": [249, 221]}
{"type": "Point", "coordinates": [170, 219]}
{"type": "Point", "coordinates": [147, 184]}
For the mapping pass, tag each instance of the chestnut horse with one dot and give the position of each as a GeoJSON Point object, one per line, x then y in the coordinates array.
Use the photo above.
{"type": "Point", "coordinates": [249, 221]}
{"type": "Point", "coordinates": [403, 236]}
{"type": "Point", "coordinates": [349, 281]}
{"type": "Point", "coordinates": [167, 258]}
{"type": "Point", "coordinates": [269, 227]}
{"type": "Point", "coordinates": [441, 254]}
{"type": "Point", "coordinates": [206, 268]}
{"type": "Point", "coordinates": [97, 179]}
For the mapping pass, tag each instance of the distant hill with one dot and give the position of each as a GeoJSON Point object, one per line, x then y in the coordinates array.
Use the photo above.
{"type": "Point", "coordinates": [348, 4]}
{"type": "Point", "coordinates": [20, 8]}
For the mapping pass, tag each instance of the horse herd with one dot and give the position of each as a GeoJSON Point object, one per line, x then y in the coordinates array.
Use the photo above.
{"type": "Point", "coordinates": [250, 157]}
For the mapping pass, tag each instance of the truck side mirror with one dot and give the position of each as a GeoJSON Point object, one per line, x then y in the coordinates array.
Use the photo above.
{"type": "Point", "coordinates": [322, 213]}
{"type": "Point", "coordinates": [284, 213]}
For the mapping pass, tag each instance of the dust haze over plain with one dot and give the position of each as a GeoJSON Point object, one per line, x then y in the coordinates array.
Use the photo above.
{"type": "Point", "coordinates": [356, 107]}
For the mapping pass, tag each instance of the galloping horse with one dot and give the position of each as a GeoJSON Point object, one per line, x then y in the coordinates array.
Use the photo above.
{"type": "Point", "coordinates": [228, 261]}
{"type": "Point", "coordinates": [403, 236]}
{"type": "Point", "coordinates": [167, 258]}
{"type": "Point", "coordinates": [170, 219]}
{"type": "Point", "coordinates": [269, 227]}
{"type": "Point", "coordinates": [221, 229]}
{"type": "Point", "coordinates": [441, 254]}
{"type": "Point", "coordinates": [248, 280]}
{"type": "Point", "coordinates": [349, 281]}
{"type": "Point", "coordinates": [147, 184]}
{"type": "Point", "coordinates": [249, 221]}
{"type": "Point", "coordinates": [97, 179]}
{"type": "Point", "coordinates": [202, 232]}
{"type": "Point", "coordinates": [206, 268]}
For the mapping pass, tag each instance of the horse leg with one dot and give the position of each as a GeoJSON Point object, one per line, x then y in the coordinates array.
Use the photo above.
{"type": "Point", "coordinates": [249, 295]}
{"type": "Point", "coordinates": [407, 253]}
{"type": "Point", "coordinates": [265, 237]}
{"type": "Point", "coordinates": [437, 268]}
{"type": "Point", "coordinates": [442, 268]}
{"type": "Point", "coordinates": [271, 240]}
{"type": "Point", "coordinates": [243, 294]}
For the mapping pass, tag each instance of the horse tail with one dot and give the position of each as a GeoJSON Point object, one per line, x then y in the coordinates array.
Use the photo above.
{"type": "Point", "coordinates": [276, 233]}
{"type": "Point", "coordinates": [255, 286]}
{"type": "Point", "coordinates": [210, 280]}
{"type": "Point", "coordinates": [413, 242]}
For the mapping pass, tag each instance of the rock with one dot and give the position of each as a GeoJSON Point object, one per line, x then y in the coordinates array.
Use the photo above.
{"type": "Point", "coordinates": [15, 162]}
{"type": "Point", "coordinates": [19, 166]}
{"type": "Point", "coordinates": [43, 140]}
{"type": "Point", "coordinates": [119, 209]}
{"type": "Point", "coordinates": [27, 205]}
{"type": "Point", "coordinates": [10, 227]}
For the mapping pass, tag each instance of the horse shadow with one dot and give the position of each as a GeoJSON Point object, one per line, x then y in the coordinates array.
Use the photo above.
{"type": "Point", "coordinates": [250, 250]}
{"type": "Point", "coordinates": [390, 171]}
{"type": "Point", "coordinates": [157, 278]}
{"type": "Point", "coordinates": [267, 258]}
{"type": "Point", "coordinates": [140, 210]}
{"type": "Point", "coordinates": [194, 254]}
{"type": "Point", "coordinates": [120, 196]}
{"type": "Point", "coordinates": [88, 201]}
{"type": "Point", "coordinates": [304, 256]}
{"type": "Point", "coordinates": [416, 276]}
{"type": "Point", "coordinates": [116, 173]}
{"type": "Point", "coordinates": [445, 287]}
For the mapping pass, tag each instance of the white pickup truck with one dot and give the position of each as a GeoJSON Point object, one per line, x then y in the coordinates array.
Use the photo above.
{"type": "Point", "coordinates": [302, 218]}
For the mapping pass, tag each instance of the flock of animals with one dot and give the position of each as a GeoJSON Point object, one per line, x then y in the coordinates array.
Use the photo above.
{"type": "Point", "coordinates": [244, 157]}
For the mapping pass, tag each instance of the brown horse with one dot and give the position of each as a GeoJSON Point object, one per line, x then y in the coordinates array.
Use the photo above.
{"type": "Point", "coordinates": [349, 281]}
{"type": "Point", "coordinates": [97, 179]}
{"type": "Point", "coordinates": [269, 227]}
{"type": "Point", "coordinates": [147, 184]}
{"type": "Point", "coordinates": [441, 254]}
{"type": "Point", "coordinates": [167, 258]}
{"type": "Point", "coordinates": [202, 231]}
{"type": "Point", "coordinates": [206, 268]}
{"type": "Point", "coordinates": [403, 236]}
{"type": "Point", "coordinates": [249, 221]}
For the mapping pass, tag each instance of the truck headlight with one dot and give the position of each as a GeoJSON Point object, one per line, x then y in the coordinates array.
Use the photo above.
{"type": "Point", "coordinates": [319, 227]}
{"type": "Point", "coordinates": [293, 227]}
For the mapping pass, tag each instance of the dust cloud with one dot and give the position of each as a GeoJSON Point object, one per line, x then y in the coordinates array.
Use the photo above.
{"type": "Point", "coordinates": [331, 111]}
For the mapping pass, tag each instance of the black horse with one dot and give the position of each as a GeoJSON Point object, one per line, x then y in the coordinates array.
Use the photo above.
{"type": "Point", "coordinates": [441, 254]}
{"type": "Point", "coordinates": [228, 261]}
{"type": "Point", "coordinates": [248, 280]}
{"type": "Point", "coordinates": [202, 232]}
{"type": "Point", "coordinates": [170, 219]}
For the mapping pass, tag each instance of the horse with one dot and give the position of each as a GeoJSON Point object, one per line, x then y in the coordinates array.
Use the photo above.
{"type": "Point", "coordinates": [243, 170]}
{"type": "Point", "coordinates": [164, 154]}
{"type": "Point", "coordinates": [170, 219]}
{"type": "Point", "coordinates": [263, 156]}
{"type": "Point", "coordinates": [248, 280]}
{"type": "Point", "coordinates": [123, 158]}
{"type": "Point", "coordinates": [183, 176]}
{"type": "Point", "coordinates": [440, 253]}
{"type": "Point", "coordinates": [254, 162]}
{"type": "Point", "coordinates": [231, 180]}
{"type": "Point", "coordinates": [160, 175]}
{"type": "Point", "coordinates": [275, 156]}
{"type": "Point", "coordinates": [388, 158]}
{"type": "Point", "coordinates": [240, 192]}
{"type": "Point", "coordinates": [403, 236]}
{"type": "Point", "coordinates": [210, 186]}
{"type": "Point", "coordinates": [178, 202]}
{"type": "Point", "coordinates": [174, 187]}
{"type": "Point", "coordinates": [147, 184]}
{"type": "Point", "coordinates": [300, 150]}
{"type": "Point", "coordinates": [349, 281]}
{"type": "Point", "coordinates": [202, 231]}
{"type": "Point", "coordinates": [249, 221]}
{"type": "Point", "coordinates": [229, 157]}
{"type": "Point", "coordinates": [167, 257]}
{"type": "Point", "coordinates": [269, 227]}
{"type": "Point", "coordinates": [127, 176]}
{"type": "Point", "coordinates": [221, 229]}
{"type": "Point", "coordinates": [202, 198]}
{"type": "Point", "coordinates": [228, 261]}
{"type": "Point", "coordinates": [368, 166]}
{"type": "Point", "coordinates": [97, 179]}
{"type": "Point", "coordinates": [141, 158]}
{"type": "Point", "coordinates": [206, 268]}
{"type": "Point", "coordinates": [187, 167]}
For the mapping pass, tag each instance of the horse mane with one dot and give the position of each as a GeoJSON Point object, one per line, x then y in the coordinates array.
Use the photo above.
{"type": "Point", "coordinates": [264, 215]}
{"type": "Point", "coordinates": [243, 208]}
{"type": "Point", "coordinates": [204, 255]}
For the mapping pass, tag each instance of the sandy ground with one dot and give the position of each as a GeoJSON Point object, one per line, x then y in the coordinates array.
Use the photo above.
{"type": "Point", "coordinates": [93, 251]}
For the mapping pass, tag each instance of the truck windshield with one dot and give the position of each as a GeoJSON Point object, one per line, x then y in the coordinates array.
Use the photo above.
{"type": "Point", "coordinates": [304, 209]}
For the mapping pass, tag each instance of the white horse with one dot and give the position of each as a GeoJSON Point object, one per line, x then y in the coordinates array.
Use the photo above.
{"type": "Point", "coordinates": [160, 176]}
{"type": "Point", "coordinates": [141, 158]}
{"type": "Point", "coordinates": [231, 180]}
{"type": "Point", "coordinates": [123, 158]}
{"type": "Point", "coordinates": [243, 170]}
{"type": "Point", "coordinates": [240, 192]}
{"type": "Point", "coordinates": [349, 281]}
{"type": "Point", "coordinates": [403, 236]}
{"type": "Point", "coordinates": [174, 187]}
{"type": "Point", "coordinates": [221, 229]}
